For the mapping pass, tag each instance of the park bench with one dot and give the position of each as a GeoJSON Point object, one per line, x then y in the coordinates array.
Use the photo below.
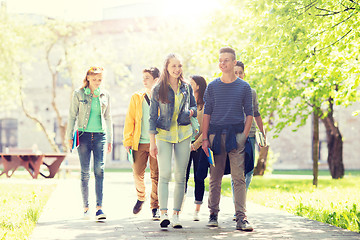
{"type": "Point", "coordinates": [32, 162]}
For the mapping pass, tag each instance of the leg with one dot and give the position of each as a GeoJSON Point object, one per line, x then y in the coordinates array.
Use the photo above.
{"type": "Point", "coordinates": [99, 143]}
{"type": "Point", "coordinates": [154, 175]}
{"type": "Point", "coordinates": [182, 153]}
{"type": "Point", "coordinates": [188, 171]}
{"type": "Point", "coordinates": [249, 175]}
{"type": "Point", "coordinates": [216, 174]}
{"type": "Point", "coordinates": [237, 163]}
{"type": "Point", "coordinates": [199, 183]}
{"type": "Point", "coordinates": [139, 166]}
{"type": "Point", "coordinates": [84, 151]}
{"type": "Point", "coordinates": [164, 161]}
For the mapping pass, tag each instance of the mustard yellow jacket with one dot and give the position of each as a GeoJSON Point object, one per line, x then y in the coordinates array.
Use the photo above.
{"type": "Point", "coordinates": [132, 128]}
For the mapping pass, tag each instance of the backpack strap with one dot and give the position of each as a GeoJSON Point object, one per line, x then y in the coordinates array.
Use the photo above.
{"type": "Point", "coordinates": [147, 99]}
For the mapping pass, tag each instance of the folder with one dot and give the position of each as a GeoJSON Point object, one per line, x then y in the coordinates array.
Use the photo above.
{"type": "Point", "coordinates": [75, 140]}
{"type": "Point", "coordinates": [131, 156]}
{"type": "Point", "coordinates": [210, 158]}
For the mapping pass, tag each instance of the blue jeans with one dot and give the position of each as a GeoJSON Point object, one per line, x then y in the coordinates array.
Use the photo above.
{"type": "Point", "coordinates": [181, 160]}
{"type": "Point", "coordinates": [199, 183]}
{"type": "Point", "coordinates": [96, 143]}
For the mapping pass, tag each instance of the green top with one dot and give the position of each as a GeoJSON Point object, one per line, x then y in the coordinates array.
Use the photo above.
{"type": "Point", "coordinates": [94, 123]}
{"type": "Point", "coordinates": [145, 124]}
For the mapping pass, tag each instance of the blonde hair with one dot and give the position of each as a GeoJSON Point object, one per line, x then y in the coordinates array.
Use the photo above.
{"type": "Point", "coordinates": [92, 71]}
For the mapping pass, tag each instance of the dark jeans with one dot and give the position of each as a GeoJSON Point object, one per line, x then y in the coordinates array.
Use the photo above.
{"type": "Point", "coordinates": [92, 142]}
{"type": "Point", "coordinates": [199, 183]}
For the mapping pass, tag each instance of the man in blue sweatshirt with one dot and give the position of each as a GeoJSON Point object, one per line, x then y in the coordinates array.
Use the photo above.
{"type": "Point", "coordinates": [228, 114]}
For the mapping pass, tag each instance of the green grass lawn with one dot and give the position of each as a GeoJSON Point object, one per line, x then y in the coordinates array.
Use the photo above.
{"type": "Point", "coordinates": [21, 203]}
{"type": "Point", "coordinates": [336, 202]}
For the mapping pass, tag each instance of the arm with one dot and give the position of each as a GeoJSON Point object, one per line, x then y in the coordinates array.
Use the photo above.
{"type": "Point", "coordinates": [259, 123]}
{"type": "Point", "coordinates": [154, 113]}
{"type": "Point", "coordinates": [153, 147]}
{"type": "Point", "coordinates": [129, 125]}
{"type": "Point", "coordinates": [248, 122]}
{"type": "Point", "coordinates": [109, 125]}
{"type": "Point", "coordinates": [193, 107]}
{"type": "Point", "coordinates": [205, 128]}
{"type": "Point", "coordinates": [198, 141]}
{"type": "Point", "coordinates": [73, 112]}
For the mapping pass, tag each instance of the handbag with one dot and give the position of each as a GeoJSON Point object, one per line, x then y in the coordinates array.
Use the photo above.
{"type": "Point", "coordinates": [195, 126]}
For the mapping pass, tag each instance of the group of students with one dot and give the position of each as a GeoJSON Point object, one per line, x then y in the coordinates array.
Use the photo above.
{"type": "Point", "coordinates": [158, 128]}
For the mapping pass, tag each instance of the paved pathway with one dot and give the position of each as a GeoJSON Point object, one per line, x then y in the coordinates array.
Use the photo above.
{"type": "Point", "coordinates": [61, 218]}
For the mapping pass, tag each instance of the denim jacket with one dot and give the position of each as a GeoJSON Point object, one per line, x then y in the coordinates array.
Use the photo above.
{"type": "Point", "coordinates": [161, 113]}
{"type": "Point", "coordinates": [80, 110]}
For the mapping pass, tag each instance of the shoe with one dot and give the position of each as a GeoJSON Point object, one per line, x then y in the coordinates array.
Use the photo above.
{"type": "Point", "coordinates": [196, 216]}
{"type": "Point", "coordinates": [243, 225]}
{"type": "Point", "coordinates": [213, 222]}
{"type": "Point", "coordinates": [156, 214]}
{"type": "Point", "coordinates": [164, 220]}
{"type": "Point", "coordinates": [176, 222]}
{"type": "Point", "coordinates": [138, 206]}
{"type": "Point", "coordinates": [234, 217]}
{"type": "Point", "coordinates": [100, 215]}
{"type": "Point", "coordinates": [86, 215]}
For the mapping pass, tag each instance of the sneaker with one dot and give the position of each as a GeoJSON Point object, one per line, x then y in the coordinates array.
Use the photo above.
{"type": "Point", "coordinates": [86, 215]}
{"type": "Point", "coordinates": [234, 217]}
{"type": "Point", "coordinates": [100, 215]}
{"type": "Point", "coordinates": [138, 206]}
{"type": "Point", "coordinates": [176, 222]}
{"type": "Point", "coordinates": [243, 225]}
{"type": "Point", "coordinates": [213, 222]}
{"type": "Point", "coordinates": [156, 214]}
{"type": "Point", "coordinates": [196, 216]}
{"type": "Point", "coordinates": [164, 220]}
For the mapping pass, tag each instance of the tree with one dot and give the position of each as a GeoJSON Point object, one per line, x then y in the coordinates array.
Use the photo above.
{"type": "Point", "coordinates": [285, 44]}
{"type": "Point", "coordinates": [65, 49]}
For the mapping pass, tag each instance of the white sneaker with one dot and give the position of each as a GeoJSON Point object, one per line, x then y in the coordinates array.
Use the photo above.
{"type": "Point", "coordinates": [176, 222]}
{"type": "Point", "coordinates": [196, 216]}
{"type": "Point", "coordinates": [164, 220]}
{"type": "Point", "coordinates": [86, 215]}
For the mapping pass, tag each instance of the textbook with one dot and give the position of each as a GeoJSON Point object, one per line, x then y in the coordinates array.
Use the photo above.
{"type": "Point", "coordinates": [211, 157]}
{"type": "Point", "coordinates": [75, 140]}
{"type": "Point", "coordinates": [131, 156]}
{"type": "Point", "coordinates": [261, 139]}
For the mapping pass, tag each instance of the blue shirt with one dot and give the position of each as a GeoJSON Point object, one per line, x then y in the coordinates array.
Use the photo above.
{"type": "Point", "coordinates": [228, 102]}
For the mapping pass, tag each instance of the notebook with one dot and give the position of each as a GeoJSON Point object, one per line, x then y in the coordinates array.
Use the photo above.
{"type": "Point", "coordinates": [211, 157]}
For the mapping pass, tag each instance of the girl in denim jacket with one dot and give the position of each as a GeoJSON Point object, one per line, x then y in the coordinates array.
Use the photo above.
{"type": "Point", "coordinates": [172, 106]}
{"type": "Point", "coordinates": [90, 107]}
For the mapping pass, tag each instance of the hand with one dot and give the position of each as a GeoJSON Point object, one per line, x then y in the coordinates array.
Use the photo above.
{"type": "Point", "coordinates": [128, 149]}
{"type": "Point", "coordinates": [71, 142]}
{"type": "Point", "coordinates": [205, 146]}
{"type": "Point", "coordinates": [193, 147]}
{"type": "Point", "coordinates": [191, 112]}
{"type": "Point", "coordinates": [153, 150]}
{"type": "Point", "coordinates": [109, 147]}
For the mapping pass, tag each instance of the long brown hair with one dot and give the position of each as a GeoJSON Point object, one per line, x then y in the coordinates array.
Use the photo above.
{"type": "Point", "coordinates": [201, 82]}
{"type": "Point", "coordinates": [164, 79]}
{"type": "Point", "coordinates": [92, 71]}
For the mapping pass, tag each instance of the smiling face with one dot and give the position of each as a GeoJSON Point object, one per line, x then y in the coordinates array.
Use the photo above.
{"type": "Point", "coordinates": [226, 62]}
{"type": "Point", "coordinates": [174, 68]}
{"type": "Point", "coordinates": [95, 80]}
{"type": "Point", "coordinates": [239, 72]}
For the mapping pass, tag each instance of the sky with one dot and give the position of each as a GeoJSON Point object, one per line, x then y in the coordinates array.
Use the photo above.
{"type": "Point", "coordinates": [93, 10]}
